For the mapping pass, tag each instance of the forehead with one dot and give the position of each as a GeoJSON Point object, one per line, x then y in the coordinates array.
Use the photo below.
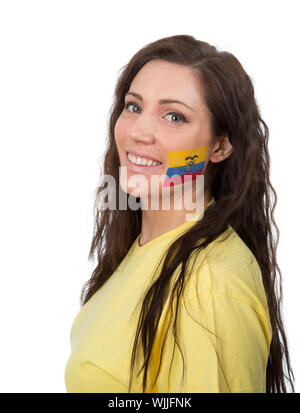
{"type": "Point", "coordinates": [159, 79]}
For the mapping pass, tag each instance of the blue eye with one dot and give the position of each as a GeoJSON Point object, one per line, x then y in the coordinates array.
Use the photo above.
{"type": "Point", "coordinates": [130, 103]}
{"type": "Point", "coordinates": [181, 117]}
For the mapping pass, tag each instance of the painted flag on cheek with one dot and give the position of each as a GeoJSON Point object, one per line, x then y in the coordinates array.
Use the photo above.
{"type": "Point", "coordinates": [185, 162]}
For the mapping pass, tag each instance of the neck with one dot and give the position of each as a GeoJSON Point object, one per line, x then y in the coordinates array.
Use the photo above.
{"type": "Point", "coordinates": [160, 221]}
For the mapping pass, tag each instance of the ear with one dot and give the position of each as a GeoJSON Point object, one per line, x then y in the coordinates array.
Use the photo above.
{"type": "Point", "coordinates": [221, 149]}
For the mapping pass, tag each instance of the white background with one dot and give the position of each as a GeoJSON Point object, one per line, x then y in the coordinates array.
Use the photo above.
{"type": "Point", "coordinates": [59, 65]}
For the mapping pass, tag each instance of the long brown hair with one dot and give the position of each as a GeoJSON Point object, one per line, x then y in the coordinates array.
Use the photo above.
{"type": "Point", "coordinates": [240, 185]}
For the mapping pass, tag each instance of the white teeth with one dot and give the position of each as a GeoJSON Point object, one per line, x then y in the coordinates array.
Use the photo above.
{"type": "Point", "coordinates": [142, 161]}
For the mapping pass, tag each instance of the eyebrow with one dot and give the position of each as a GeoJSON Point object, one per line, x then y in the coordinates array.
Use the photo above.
{"type": "Point", "coordinates": [161, 101]}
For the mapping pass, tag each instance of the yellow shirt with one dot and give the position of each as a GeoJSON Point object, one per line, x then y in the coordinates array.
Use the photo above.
{"type": "Point", "coordinates": [223, 324]}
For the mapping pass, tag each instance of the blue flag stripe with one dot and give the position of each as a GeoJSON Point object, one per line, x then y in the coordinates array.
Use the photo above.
{"type": "Point", "coordinates": [181, 170]}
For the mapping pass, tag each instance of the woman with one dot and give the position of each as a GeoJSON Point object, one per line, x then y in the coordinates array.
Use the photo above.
{"type": "Point", "coordinates": [183, 302]}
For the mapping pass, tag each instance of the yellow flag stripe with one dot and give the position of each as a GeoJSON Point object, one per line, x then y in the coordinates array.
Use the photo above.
{"type": "Point", "coordinates": [178, 158]}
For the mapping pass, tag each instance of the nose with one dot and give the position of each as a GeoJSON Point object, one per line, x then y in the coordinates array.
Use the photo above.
{"type": "Point", "coordinates": [141, 130]}
{"type": "Point", "coordinates": [140, 136]}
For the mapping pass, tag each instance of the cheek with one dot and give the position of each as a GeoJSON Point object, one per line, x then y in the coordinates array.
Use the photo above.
{"type": "Point", "coordinates": [121, 128]}
{"type": "Point", "coordinates": [119, 133]}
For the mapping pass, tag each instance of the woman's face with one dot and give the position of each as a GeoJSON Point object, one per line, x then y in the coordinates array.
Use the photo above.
{"type": "Point", "coordinates": [154, 128]}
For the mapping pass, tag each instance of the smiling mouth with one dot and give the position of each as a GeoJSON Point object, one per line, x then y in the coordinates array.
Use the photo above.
{"type": "Point", "coordinates": [144, 162]}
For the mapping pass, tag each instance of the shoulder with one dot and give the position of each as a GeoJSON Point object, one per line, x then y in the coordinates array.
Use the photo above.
{"type": "Point", "coordinates": [227, 267]}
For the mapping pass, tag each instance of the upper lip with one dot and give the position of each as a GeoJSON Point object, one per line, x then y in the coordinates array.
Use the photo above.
{"type": "Point", "coordinates": [142, 154]}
